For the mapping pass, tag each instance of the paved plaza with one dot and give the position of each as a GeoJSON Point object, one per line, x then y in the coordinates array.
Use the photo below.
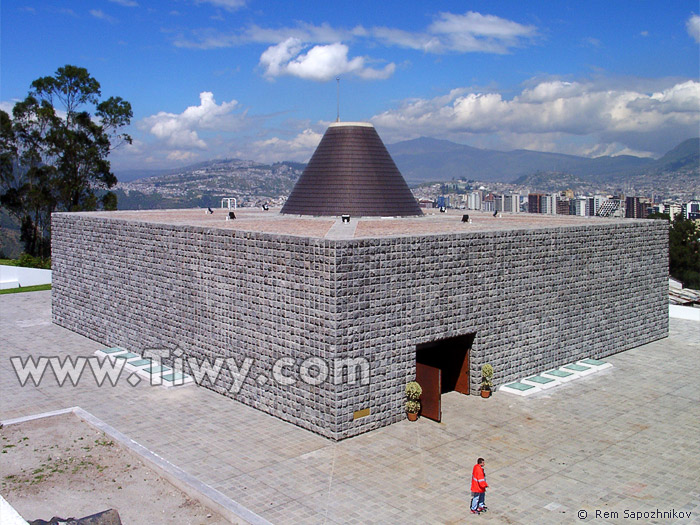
{"type": "Point", "coordinates": [624, 439]}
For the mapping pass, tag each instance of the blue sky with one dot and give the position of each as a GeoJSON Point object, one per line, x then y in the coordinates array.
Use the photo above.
{"type": "Point", "coordinates": [256, 80]}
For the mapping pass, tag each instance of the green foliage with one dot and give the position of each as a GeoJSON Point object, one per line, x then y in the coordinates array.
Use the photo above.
{"type": "Point", "coordinates": [486, 376]}
{"type": "Point", "coordinates": [54, 149]}
{"type": "Point", "coordinates": [37, 288]}
{"type": "Point", "coordinates": [109, 201]}
{"type": "Point", "coordinates": [684, 252]}
{"type": "Point", "coordinates": [29, 261]}
{"type": "Point", "coordinates": [413, 391]}
{"type": "Point", "coordinates": [412, 406]}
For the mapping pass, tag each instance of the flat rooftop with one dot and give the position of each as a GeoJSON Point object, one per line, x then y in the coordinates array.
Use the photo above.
{"type": "Point", "coordinates": [432, 223]}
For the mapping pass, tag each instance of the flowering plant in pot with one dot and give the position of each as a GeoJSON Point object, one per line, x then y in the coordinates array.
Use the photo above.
{"type": "Point", "coordinates": [486, 380]}
{"type": "Point", "coordinates": [413, 393]}
{"type": "Point", "coordinates": [412, 409]}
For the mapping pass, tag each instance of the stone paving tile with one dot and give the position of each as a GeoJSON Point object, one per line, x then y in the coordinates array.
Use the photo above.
{"type": "Point", "coordinates": [335, 460]}
{"type": "Point", "coordinates": [462, 451]}
{"type": "Point", "coordinates": [427, 434]}
{"type": "Point", "coordinates": [594, 443]}
{"type": "Point", "coordinates": [252, 492]}
{"type": "Point", "coordinates": [293, 477]}
{"type": "Point", "coordinates": [298, 513]}
{"type": "Point", "coordinates": [349, 504]}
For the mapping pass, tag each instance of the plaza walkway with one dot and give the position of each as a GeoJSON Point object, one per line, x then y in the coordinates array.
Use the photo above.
{"type": "Point", "coordinates": [624, 439]}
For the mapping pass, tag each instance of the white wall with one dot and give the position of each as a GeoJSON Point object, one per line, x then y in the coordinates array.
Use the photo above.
{"type": "Point", "coordinates": [14, 276]}
{"type": "Point", "coordinates": [684, 312]}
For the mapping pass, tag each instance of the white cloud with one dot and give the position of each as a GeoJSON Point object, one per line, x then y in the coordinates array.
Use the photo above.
{"type": "Point", "coordinates": [614, 149]}
{"type": "Point", "coordinates": [305, 32]}
{"type": "Point", "coordinates": [125, 3]}
{"type": "Point", "coordinates": [693, 27]}
{"type": "Point", "coordinates": [462, 33]}
{"type": "Point", "coordinates": [6, 106]}
{"type": "Point", "coordinates": [632, 118]}
{"type": "Point", "coordinates": [320, 63]}
{"type": "Point", "coordinates": [473, 32]}
{"type": "Point", "coordinates": [98, 13]}
{"type": "Point", "coordinates": [299, 148]}
{"type": "Point", "coordinates": [180, 130]}
{"type": "Point", "coordinates": [321, 34]}
{"type": "Point", "coordinates": [229, 5]}
{"type": "Point", "coordinates": [208, 39]}
{"type": "Point", "coordinates": [181, 156]}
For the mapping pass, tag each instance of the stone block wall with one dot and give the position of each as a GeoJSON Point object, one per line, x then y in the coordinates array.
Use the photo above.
{"type": "Point", "coordinates": [209, 293]}
{"type": "Point", "coordinates": [535, 298]}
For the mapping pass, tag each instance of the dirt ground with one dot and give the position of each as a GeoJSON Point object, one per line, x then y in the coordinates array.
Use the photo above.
{"type": "Point", "coordinates": [62, 466]}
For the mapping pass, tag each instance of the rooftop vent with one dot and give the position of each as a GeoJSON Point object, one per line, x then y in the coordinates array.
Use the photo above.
{"type": "Point", "coordinates": [351, 172]}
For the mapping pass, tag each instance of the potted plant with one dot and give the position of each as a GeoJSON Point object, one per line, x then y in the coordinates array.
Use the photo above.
{"type": "Point", "coordinates": [412, 409]}
{"type": "Point", "coordinates": [486, 380]}
{"type": "Point", "coordinates": [413, 393]}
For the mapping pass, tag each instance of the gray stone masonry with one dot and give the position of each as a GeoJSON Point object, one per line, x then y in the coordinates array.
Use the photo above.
{"type": "Point", "coordinates": [536, 298]}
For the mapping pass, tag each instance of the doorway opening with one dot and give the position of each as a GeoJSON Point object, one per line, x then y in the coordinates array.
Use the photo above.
{"type": "Point", "coordinates": [442, 366]}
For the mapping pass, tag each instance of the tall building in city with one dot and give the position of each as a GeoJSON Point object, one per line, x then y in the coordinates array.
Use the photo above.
{"type": "Point", "coordinates": [549, 204]}
{"type": "Point", "coordinates": [511, 203]}
{"type": "Point", "coordinates": [636, 207]}
{"type": "Point", "coordinates": [563, 206]}
{"type": "Point", "coordinates": [672, 210]}
{"type": "Point", "coordinates": [594, 204]}
{"type": "Point", "coordinates": [535, 203]}
{"type": "Point", "coordinates": [580, 205]}
{"type": "Point", "coordinates": [691, 210]}
{"type": "Point", "coordinates": [474, 200]}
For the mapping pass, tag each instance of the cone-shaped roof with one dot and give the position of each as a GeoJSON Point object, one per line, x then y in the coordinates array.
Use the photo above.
{"type": "Point", "coordinates": [351, 172]}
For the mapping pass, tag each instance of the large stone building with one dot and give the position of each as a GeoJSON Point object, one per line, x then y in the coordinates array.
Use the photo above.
{"type": "Point", "coordinates": [314, 298]}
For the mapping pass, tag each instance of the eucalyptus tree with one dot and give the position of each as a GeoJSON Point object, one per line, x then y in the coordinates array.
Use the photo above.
{"type": "Point", "coordinates": [54, 152]}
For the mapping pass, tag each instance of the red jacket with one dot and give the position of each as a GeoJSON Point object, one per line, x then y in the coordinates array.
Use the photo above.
{"type": "Point", "coordinates": [478, 479]}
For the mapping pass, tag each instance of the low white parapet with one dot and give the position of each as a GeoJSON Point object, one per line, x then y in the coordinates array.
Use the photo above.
{"type": "Point", "coordinates": [16, 276]}
{"type": "Point", "coordinates": [9, 515]}
{"type": "Point", "coordinates": [684, 312]}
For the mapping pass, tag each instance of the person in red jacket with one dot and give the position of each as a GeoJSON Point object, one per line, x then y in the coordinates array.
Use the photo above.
{"type": "Point", "coordinates": [478, 487]}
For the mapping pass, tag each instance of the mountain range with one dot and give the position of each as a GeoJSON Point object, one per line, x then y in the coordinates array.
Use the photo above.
{"type": "Point", "coordinates": [426, 159]}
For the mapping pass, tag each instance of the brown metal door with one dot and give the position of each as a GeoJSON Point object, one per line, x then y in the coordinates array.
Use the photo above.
{"type": "Point", "coordinates": [430, 380]}
{"type": "Point", "coordinates": [463, 379]}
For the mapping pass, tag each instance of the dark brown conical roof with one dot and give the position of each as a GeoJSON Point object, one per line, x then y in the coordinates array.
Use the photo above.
{"type": "Point", "coordinates": [351, 172]}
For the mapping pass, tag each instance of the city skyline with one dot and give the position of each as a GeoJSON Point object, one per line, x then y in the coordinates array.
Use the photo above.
{"type": "Point", "coordinates": [236, 78]}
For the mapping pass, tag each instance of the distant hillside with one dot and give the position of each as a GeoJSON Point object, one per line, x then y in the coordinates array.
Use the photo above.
{"type": "Point", "coordinates": [129, 175]}
{"type": "Point", "coordinates": [684, 157]}
{"type": "Point", "coordinates": [426, 159]}
{"type": "Point", "coordinates": [420, 160]}
{"type": "Point", "coordinates": [205, 183]}
{"type": "Point", "coordinates": [551, 181]}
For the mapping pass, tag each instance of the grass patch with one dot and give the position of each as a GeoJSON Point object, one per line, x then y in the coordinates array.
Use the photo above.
{"type": "Point", "coordinates": [28, 261]}
{"type": "Point", "coordinates": [37, 288]}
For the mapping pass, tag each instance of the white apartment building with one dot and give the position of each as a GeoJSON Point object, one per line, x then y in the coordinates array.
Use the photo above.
{"type": "Point", "coordinates": [474, 200]}
{"type": "Point", "coordinates": [580, 206]}
{"type": "Point", "coordinates": [549, 204]}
